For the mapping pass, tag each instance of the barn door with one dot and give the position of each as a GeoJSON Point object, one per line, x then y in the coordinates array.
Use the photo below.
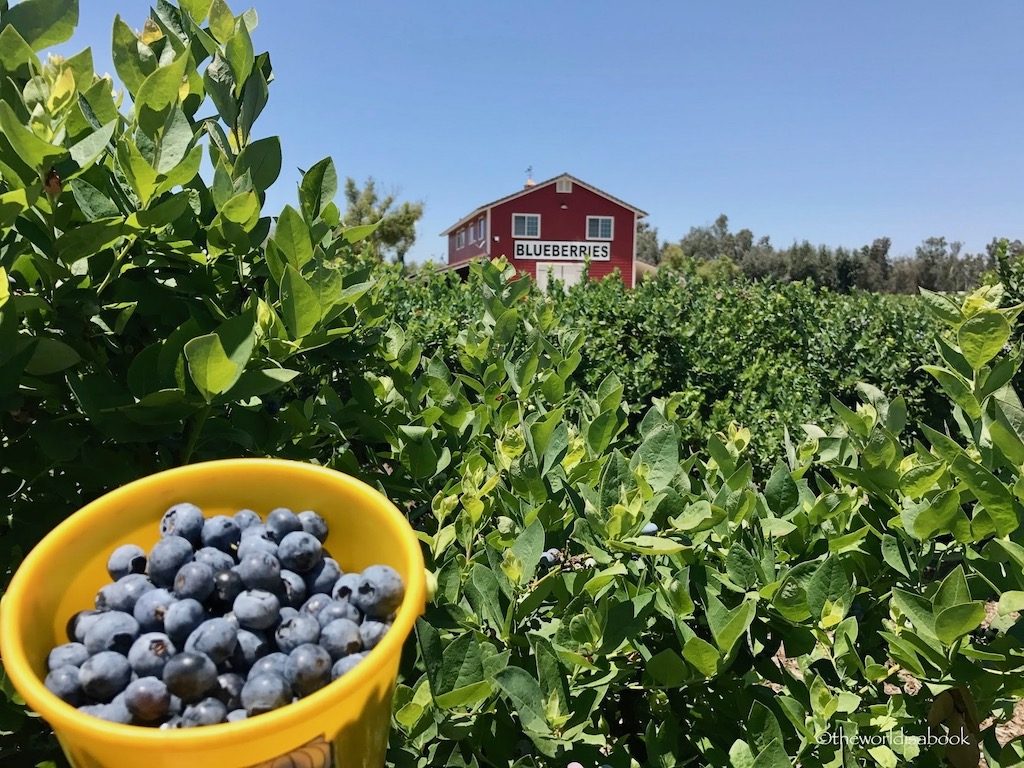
{"type": "Point", "coordinates": [568, 272]}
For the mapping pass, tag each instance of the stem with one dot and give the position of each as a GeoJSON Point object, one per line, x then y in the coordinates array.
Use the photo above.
{"type": "Point", "coordinates": [195, 428]}
{"type": "Point", "coordinates": [118, 258]}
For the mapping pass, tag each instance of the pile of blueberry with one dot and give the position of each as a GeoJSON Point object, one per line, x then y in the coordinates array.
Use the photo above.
{"type": "Point", "coordinates": [226, 618]}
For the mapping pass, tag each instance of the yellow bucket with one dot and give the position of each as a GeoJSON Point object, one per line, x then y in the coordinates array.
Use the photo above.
{"type": "Point", "coordinates": [344, 724]}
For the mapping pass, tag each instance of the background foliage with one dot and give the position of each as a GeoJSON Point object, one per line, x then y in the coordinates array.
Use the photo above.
{"type": "Point", "coordinates": [710, 595]}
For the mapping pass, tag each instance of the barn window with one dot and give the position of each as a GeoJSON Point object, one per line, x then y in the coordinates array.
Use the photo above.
{"type": "Point", "coordinates": [460, 238]}
{"type": "Point", "coordinates": [525, 225]}
{"type": "Point", "coordinates": [563, 186]}
{"type": "Point", "coordinates": [600, 227]}
{"type": "Point", "coordinates": [480, 231]}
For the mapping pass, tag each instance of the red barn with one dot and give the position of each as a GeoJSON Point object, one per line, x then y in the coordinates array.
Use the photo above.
{"type": "Point", "coordinates": [549, 230]}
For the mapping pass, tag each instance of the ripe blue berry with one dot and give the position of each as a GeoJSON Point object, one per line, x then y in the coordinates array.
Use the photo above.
{"type": "Point", "coordinates": [209, 711]}
{"type": "Point", "coordinates": [128, 558]}
{"type": "Point", "coordinates": [308, 669]}
{"type": "Point", "coordinates": [182, 617]}
{"type": "Point", "coordinates": [194, 580]}
{"type": "Point", "coordinates": [300, 552]}
{"type": "Point", "coordinates": [166, 557]}
{"type": "Point", "coordinates": [227, 585]}
{"type": "Point", "coordinates": [184, 520]}
{"type": "Point", "coordinates": [322, 578]}
{"type": "Point", "coordinates": [79, 624]}
{"type": "Point", "coordinates": [313, 524]}
{"type": "Point", "coordinates": [281, 522]}
{"type": "Point", "coordinates": [229, 690]}
{"type": "Point", "coordinates": [64, 682]}
{"type": "Point", "coordinates": [147, 699]}
{"type": "Point", "coordinates": [67, 655]}
{"type": "Point", "coordinates": [213, 557]}
{"type": "Point", "coordinates": [257, 609]}
{"type": "Point", "coordinates": [346, 664]}
{"type": "Point", "coordinates": [315, 604]}
{"type": "Point", "coordinates": [371, 632]}
{"type": "Point", "coordinates": [221, 532]}
{"type": "Point", "coordinates": [216, 638]}
{"type": "Point", "coordinates": [251, 646]}
{"type": "Point", "coordinates": [272, 663]}
{"type": "Point", "coordinates": [112, 631]}
{"type": "Point", "coordinates": [650, 529]}
{"type": "Point", "coordinates": [236, 715]}
{"type": "Point", "coordinates": [292, 589]}
{"type": "Point", "coordinates": [260, 570]}
{"type": "Point", "coordinates": [253, 544]}
{"type": "Point", "coordinates": [265, 692]}
{"type": "Point", "coordinates": [380, 592]}
{"type": "Point", "coordinates": [246, 518]}
{"type": "Point", "coordinates": [190, 676]}
{"type": "Point", "coordinates": [151, 609]}
{"type": "Point", "coordinates": [341, 638]}
{"type": "Point", "coordinates": [104, 675]}
{"type": "Point", "coordinates": [150, 653]}
{"type": "Point", "coordinates": [296, 631]}
{"type": "Point", "coordinates": [123, 593]}
{"type": "Point", "coordinates": [339, 609]}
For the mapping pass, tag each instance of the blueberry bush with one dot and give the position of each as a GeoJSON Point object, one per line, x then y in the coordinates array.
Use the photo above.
{"type": "Point", "coordinates": [624, 575]}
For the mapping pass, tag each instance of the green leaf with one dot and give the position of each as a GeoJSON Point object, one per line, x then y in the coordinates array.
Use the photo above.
{"type": "Point", "coordinates": [292, 237]}
{"type": "Point", "coordinates": [219, 82]}
{"type": "Point", "coordinates": [174, 141]}
{"type": "Point", "coordinates": [1011, 602]}
{"type": "Point", "coordinates": [702, 655]}
{"type": "Point", "coordinates": [216, 361]}
{"type": "Point", "coordinates": [239, 54]}
{"type": "Point", "coordinates": [15, 52]}
{"type": "Point", "coordinates": [359, 232]}
{"type": "Point", "coordinates": [32, 150]}
{"type": "Point", "coordinates": [781, 492]}
{"type": "Point", "coordinates": [300, 309]}
{"type": "Point", "coordinates": [134, 61]}
{"type": "Point", "coordinates": [461, 679]}
{"type": "Point", "coordinates": [649, 545]}
{"type": "Point", "coordinates": [953, 590]}
{"type": "Point", "coordinates": [829, 584]}
{"type": "Point", "coordinates": [262, 160]}
{"type": "Point", "coordinates": [995, 497]}
{"type": "Point", "coordinates": [222, 21]}
{"type": "Point", "coordinates": [918, 481]}
{"type": "Point", "coordinates": [257, 383]}
{"type": "Point", "coordinates": [982, 337]}
{"type": "Point", "coordinates": [660, 452]}
{"type": "Point", "coordinates": [741, 567]}
{"type": "Point", "coordinates": [957, 389]}
{"type": "Point", "coordinates": [88, 150]}
{"type": "Point", "coordinates": [51, 356]}
{"type": "Point", "coordinates": [482, 592]}
{"type": "Point", "coordinates": [958, 621]}
{"type": "Point", "coordinates": [667, 669]}
{"type": "Point", "coordinates": [197, 9]}
{"type": "Point", "coordinates": [43, 23]}
{"type": "Point", "coordinates": [917, 609]}
{"type": "Point", "coordinates": [87, 240]}
{"type": "Point", "coordinates": [318, 187]}
{"type": "Point", "coordinates": [942, 306]}
{"type": "Point", "coordinates": [160, 89]}
{"type": "Point", "coordinates": [523, 691]}
{"type": "Point", "coordinates": [728, 626]}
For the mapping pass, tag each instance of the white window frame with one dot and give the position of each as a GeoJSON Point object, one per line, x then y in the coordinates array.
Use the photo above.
{"type": "Point", "coordinates": [563, 186]}
{"type": "Point", "coordinates": [460, 239]}
{"type": "Point", "coordinates": [600, 218]}
{"type": "Point", "coordinates": [480, 230]}
{"type": "Point", "coordinates": [526, 227]}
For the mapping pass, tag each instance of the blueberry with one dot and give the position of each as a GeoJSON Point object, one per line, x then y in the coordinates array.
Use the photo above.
{"type": "Point", "coordinates": [246, 518]}
{"type": "Point", "coordinates": [346, 664]}
{"type": "Point", "coordinates": [260, 570]}
{"type": "Point", "coordinates": [104, 675]}
{"type": "Point", "coordinates": [123, 593]}
{"type": "Point", "coordinates": [67, 655]}
{"type": "Point", "coordinates": [217, 560]}
{"type": "Point", "coordinates": [112, 631]}
{"type": "Point", "coordinates": [308, 669]}
{"type": "Point", "coordinates": [227, 585]}
{"type": "Point", "coordinates": [321, 579]}
{"type": "Point", "coordinates": [281, 522]}
{"type": "Point", "coordinates": [221, 532]}
{"type": "Point", "coordinates": [252, 544]}
{"type": "Point", "coordinates": [229, 690]}
{"type": "Point", "coordinates": [272, 663]}
{"type": "Point", "coordinates": [339, 609]}
{"type": "Point", "coordinates": [216, 638]}
{"type": "Point", "coordinates": [313, 524]}
{"type": "Point", "coordinates": [257, 609]}
{"type": "Point", "coordinates": [194, 580]}
{"type": "Point", "coordinates": [182, 617]}
{"type": "Point", "coordinates": [341, 638]}
{"type": "Point", "coordinates": [171, 723]}
{"type": "Point", "coordinates": [150, 653]}
{"type": "Point", "coordinates": [209, 711]}
{"type": "Point", "coordinates": [147, 699]}
{"type": "Point", "coordinates": [315, 604]}
{"type": "Point", "coordinates": [345, 586]}
{"type": "Point", "coordinates": [128, 558]}
{"type": "Point", "coordinates": [117, 711]}
{"type": "Point", "coordinates": [292, 589]}
{"type": "Point", "coordinates": [300, 552]}
{"type": "Point", "coordinates": [380, 592]}
{"type": "Point", "coordinates": [370, 632]}
{"type": "Point", "coordinates": [547, 559]}
{"type": "Point", "coordinates": [166, 558]}
{"type": "Point", "coordinates": [64, 682]}
{"type": "Point", "coordinates": [151, 609]}
{"type": "Point", "coordinates": [257, 530]}
{"type": "Point", "coordinates": [287, 612]}
{"type": "Point", "coordinates": [650, 529]}
{"type": "Point", "coordinates": [265, 692]}
{"type": "Point", "coordinates": [250, 647]}
{"type": "Point", "coordinates": [79, 624]}
{"type": "Point", "coordinates": [296, 631]}
{"type": "Point", "coordinates": [236, 715]}
{"type": "Point", "coordinates": [184, 520]}
{"type": "Point", "coordinates": [190, 676]}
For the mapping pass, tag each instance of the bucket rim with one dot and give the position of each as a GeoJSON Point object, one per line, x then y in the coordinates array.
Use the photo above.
{"type": "Point", "coordinates": [64, 718]}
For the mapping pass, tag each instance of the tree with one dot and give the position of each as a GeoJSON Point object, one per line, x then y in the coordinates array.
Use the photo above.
{"type": "Point", "coordinates": [397, 230]}
{"type": "Point", "coordinates": [647, 247]}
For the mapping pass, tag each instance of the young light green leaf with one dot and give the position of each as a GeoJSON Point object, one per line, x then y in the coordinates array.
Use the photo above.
{"type": "Point", "coordinates": [982, 337]}
{"type": "Point", "coordinates": [300, 309]}
{"type": "Point", "coordinates": [318, 187]}
{"type": "Point", "coordinates": [292, 237]}
{"type": "Point", "coordinates": [30, 148]}
{"type": "Point", "coordinates": [160, 89]}
{"type": "Point", "coordinates": [43, 23]}
{"type": "Point", "coordinates": [239, 54]}
{"type": "Point", "coordinates": [993, 495]}
{"type": "Point", "coordinates": [702, 655]}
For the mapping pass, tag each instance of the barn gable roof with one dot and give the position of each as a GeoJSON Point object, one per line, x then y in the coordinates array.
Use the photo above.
{"type": "Point", "coordinates": [533, 188]}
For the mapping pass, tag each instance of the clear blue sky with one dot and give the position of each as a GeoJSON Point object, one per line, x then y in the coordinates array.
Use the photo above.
{"type": "Point", "coordinates": [834, 122]}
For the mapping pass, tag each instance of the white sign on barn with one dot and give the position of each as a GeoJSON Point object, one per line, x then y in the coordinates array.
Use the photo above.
{"type": "Point", "coordinates": [561, 250]}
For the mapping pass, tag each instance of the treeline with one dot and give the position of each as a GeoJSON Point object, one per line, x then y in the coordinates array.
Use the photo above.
{"type": "Point", "coordinates": [715, 251]}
